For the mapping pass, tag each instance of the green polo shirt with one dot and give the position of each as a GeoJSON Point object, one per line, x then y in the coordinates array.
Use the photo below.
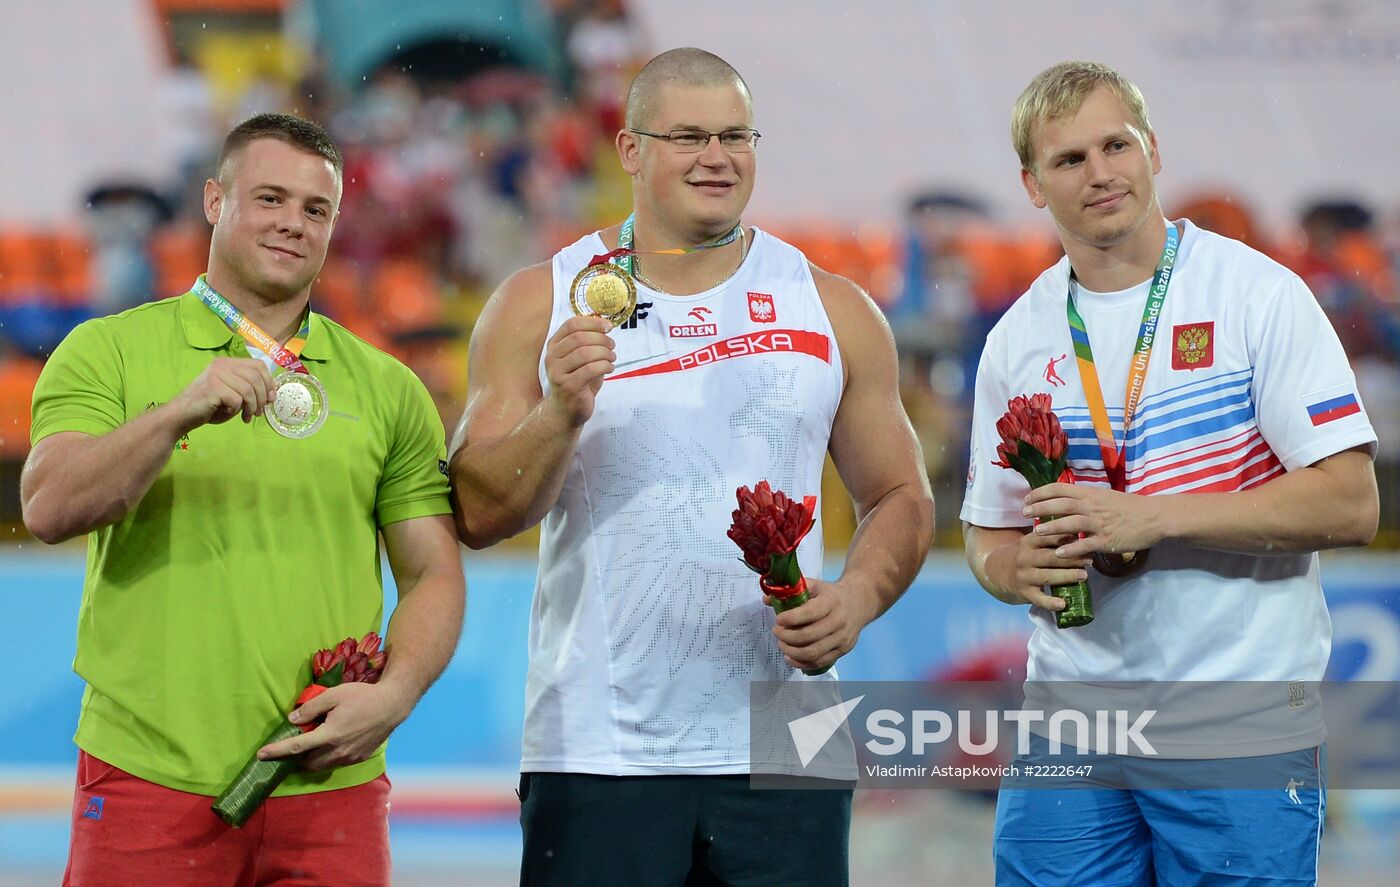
{"type": "Point", "coordinates": [251, 551]}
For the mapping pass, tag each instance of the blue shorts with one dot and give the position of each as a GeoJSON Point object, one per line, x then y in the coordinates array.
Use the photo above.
{"type": "Point", "coordinates": [1108, 837]}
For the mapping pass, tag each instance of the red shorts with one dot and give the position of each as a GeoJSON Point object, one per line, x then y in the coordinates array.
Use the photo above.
{"type": "Point", "coordinates": [128, 832]}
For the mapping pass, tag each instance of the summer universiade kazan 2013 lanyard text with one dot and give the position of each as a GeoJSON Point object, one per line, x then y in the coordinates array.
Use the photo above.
{"type": "Point", "coordinates": [1114, 458]}
{"type": "Point", "coordinates": [286, 357]}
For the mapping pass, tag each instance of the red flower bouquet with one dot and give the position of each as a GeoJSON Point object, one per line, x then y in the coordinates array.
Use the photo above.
{"type": "Point", "coordinates": [1034, 444]}
{"type": "Point", "coordinates": [768, 526]}
{"type": "Point", "coordinates": [346, 663]}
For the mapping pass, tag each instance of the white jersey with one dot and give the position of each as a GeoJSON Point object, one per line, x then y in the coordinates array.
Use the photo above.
{"type": "Point", "coordinates": [646, 628]}
{"type": "Point", "coordinates": [1247, 380]}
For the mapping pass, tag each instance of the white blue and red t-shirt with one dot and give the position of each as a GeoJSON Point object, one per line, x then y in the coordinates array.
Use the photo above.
{"type": "Point", "coordinates": [1247, 381]}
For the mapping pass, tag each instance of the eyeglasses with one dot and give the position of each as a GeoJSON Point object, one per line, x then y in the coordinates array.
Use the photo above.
{"type": "Point", "coordinates": [693, 141]}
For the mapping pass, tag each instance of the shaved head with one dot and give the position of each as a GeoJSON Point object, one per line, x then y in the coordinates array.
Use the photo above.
{"type": "Point", "coordinates": [681, 67]}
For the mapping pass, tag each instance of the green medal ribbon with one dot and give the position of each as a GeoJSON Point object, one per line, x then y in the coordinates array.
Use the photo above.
{"type": "Point", "coordinates": [625, 256]}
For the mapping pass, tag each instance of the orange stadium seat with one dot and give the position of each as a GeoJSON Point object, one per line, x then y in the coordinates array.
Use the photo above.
{"type": "Point", "coordinates": [339, 295]}
{"type": "Point", "coordinates": [180, 254]}
{"type": "Point", "coordinates": [1031, 255]}
{"type": "Point", "coordinates": [991, 263]}
{"type": "Point", "coordinates": [17, 378]}
{"type": "Point", "coordinates": [405, 295]}
{"type": "Point", "coordinates": [869, 256]}
{"type": "Point", "coordinates": [823, 247]}
{"type": "Point", "coordinates": [336, 292]}
{"type": "Point", "coordinates": [71, 254]}
{"type": "Point", "coordinates": [817, 245]}
{"type": "Point", "coordinates": [1362, 256]}
{"type": "Point", "coordinates": [24, 263]}
{"type": "Point", "coordinates": [881, 259]}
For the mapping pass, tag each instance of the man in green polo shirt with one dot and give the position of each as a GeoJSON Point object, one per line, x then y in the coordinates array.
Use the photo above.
{"type": "Point", "coordinates": [222, 553]}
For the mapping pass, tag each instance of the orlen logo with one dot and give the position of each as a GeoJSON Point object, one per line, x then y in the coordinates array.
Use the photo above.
{"type": "Point", "coordinates": [697, 330]}
{"type": "Point", "coordinates": [693, 330]}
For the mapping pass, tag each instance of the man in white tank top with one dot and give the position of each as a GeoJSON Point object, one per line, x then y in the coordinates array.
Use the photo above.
{"type": "Point", "coordinates": [1246, 451]}
{"type": "Point", "coordinates": [742, 362]}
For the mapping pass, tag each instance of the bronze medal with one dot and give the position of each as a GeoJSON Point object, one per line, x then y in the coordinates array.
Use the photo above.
{"type": "Point", "coordinates": [1120, 565]}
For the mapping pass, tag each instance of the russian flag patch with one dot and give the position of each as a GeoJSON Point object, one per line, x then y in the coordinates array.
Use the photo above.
{"type": "Point", "coordinates": [1332, 404]}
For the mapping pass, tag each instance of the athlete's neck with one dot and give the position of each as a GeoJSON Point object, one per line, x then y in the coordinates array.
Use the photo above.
{"type": "Point", "coordinates": [1121, 266]}
{"type": "Point", "coordinates": [685, 274]}
{"type": "Point", "coordinates": [277, 315]}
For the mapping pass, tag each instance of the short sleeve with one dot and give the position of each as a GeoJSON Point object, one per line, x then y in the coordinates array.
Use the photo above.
{"type": "Point", "coordinates": [81, 385]}
{"type": "Point", "coordinates": [414, 480]}
{"type": "Point", "coordinates": [994, 495]}
{"type": "Point", "coordinates": [1304, 388]}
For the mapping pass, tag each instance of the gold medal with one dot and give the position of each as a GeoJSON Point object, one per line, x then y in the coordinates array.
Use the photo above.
{"type": "Point", "coordinates": [299, 409]}
{"type": "Point", "coordinates": [1120, 565]}
{"type": "Point", "coordinates": [604, 291]}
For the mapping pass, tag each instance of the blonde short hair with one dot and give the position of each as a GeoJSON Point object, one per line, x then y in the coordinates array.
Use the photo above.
{"type": "Point", "coordinates": [1059, 91]}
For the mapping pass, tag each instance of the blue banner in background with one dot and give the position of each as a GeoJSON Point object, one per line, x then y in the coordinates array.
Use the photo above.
{"type": "Point", "coordinates": [945, 628]}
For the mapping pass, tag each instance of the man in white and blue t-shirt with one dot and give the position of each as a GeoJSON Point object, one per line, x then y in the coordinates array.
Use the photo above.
{"type": "Point", "coordinates": [1247, 450]}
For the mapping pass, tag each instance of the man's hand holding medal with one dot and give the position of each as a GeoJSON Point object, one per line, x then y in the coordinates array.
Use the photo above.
{"type": "Point", "coordinates": [603, 296]}
{"type": "Point", "coordinates": [577, 357]}
{"type": "Point", "coordinates": [228, 387]}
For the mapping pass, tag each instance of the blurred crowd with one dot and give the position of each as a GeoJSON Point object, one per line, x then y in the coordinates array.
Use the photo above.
{"type": "Point", "coordinates": [453, 183]}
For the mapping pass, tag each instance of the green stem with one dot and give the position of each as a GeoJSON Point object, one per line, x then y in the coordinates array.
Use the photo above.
{"type": "Point", "coordinates": [1079, 603]}
{"type": "Point", "coordinates": [782, 605]}
{"type": "Point", "coordinates": [256, 781]}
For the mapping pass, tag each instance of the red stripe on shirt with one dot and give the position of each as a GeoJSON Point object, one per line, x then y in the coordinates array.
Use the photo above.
{"type": "Point", "coordinates": [766, 342]}
{"type": "Point", "coordinates": [1262, 471]}
{"type": "Point", "coordinates": [1245, 439]}
{"type": "Point", "coordinates": [1231, 467]}
{"type": "Point", "coordinates": [1336, 413]}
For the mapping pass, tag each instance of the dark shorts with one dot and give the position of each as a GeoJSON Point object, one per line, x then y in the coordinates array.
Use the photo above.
{"type": "Point", "coordinates": [681, 831]}
{"type": "Point", "coordinates": [128, 832]}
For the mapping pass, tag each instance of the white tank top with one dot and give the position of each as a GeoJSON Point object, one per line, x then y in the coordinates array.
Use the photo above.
{"type": "Point", "coordinates": [646, 629]}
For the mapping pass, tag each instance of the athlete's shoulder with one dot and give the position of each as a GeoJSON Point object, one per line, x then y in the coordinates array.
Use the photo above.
{"type": "Point", "coordinates": [833, 288]}
{"type": "Point", "coordinates": [578, 254]}
{"type": "Point", "coordinates": [1216, 257]}
{"type": "Point", "coordinates": [1027, 315]}
{"type": "Point", "coordinates": [770, 242]}
{"type": "Point", "coordinates": [530, 284]}
{"type": "Point", "coordinates": [346, 345]}
{"type": "Point", "coordinates": [520, 308]}
{"type": "Point", "coordinates": [146, 314]}
{"type": "Point", "coordinates": [133, 326]}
